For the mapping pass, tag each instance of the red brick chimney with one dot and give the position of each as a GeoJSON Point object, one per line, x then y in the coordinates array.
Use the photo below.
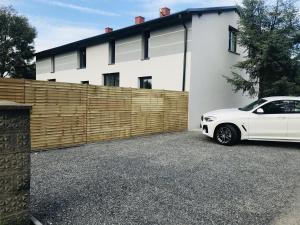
{"type": "Point", "coordinates": [108, 29]}
{"type": "Point", "coordinates": [139, 20]}
{"type": "Point", "coordinates": [165, 11]}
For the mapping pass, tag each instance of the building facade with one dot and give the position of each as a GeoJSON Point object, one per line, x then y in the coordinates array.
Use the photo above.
{"type": "Point", "coordinates": [187, 51]}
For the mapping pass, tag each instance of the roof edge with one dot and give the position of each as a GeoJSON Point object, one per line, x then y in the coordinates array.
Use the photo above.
{"type": "Point", "coordinates": [134, 29]}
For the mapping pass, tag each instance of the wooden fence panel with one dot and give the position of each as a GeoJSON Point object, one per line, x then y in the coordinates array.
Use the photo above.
{"type": "Point", "coordinates": [109, 113]}
{"type": "Point", "coordinates": [147, 112]}
{"type": "Point", "coordinates": [176, 111]}
{"type": "Point", "coordinates": [65, 114]}
{"type": "Point", "coordinates": [12, 90]}
{"type": "Point", "coordinates": [58, 117]}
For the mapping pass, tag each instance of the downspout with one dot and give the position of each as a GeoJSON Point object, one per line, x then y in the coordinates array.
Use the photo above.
{"type": "Point", "coordinates": [185, 52]}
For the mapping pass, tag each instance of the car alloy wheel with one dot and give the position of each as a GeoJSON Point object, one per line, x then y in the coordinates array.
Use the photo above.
{"type": "Point", "coordinates": [224, 135]}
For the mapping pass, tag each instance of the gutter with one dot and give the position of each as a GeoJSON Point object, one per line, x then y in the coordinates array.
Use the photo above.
{"type": "Point", "coordinates": [185, 51]}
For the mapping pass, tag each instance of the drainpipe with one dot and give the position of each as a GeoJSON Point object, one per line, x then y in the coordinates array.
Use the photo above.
{"type": "Point", "coordinates": [185, 52]}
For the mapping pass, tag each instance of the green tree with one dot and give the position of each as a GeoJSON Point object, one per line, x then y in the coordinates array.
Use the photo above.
{"type": "Point", "coordinates": [16, 45]}
{"type": "Point", "coordinates": [270, 35]}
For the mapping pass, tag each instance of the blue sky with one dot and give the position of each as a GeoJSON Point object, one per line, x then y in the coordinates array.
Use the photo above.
{"type": "Point", "coordinates": [62, 21]}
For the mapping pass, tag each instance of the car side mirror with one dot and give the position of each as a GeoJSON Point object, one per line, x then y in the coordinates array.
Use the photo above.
{"type": "Point", "coordinates": [260, 111]}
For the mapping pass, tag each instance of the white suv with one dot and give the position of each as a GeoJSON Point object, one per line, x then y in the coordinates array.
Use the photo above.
{"type": "Point", "coordinates": [268, 119]}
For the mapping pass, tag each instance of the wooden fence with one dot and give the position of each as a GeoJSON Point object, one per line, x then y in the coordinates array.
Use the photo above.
{"type": "Point", "coordinates": [66, 114]}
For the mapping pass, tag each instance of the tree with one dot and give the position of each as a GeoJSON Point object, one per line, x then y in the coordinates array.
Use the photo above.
{"type": "Point", "coordinates": [16, 45]}
{"type": "Point", "coordinates": [270, 35]}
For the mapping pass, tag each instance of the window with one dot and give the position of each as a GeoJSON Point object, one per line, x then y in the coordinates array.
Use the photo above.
{"type": "Point", "coordinates": [278, 107]}
{"type": "Point", "coordinates": [297, 107]}
{"type": "Point", "coordinates": [146, 82]}
{"type": "Point", "coordinates": [145, 47]}
{"type": "Point", "coordinates": [111, 79]}
{"type": "Point", "coordinates": [253, 105]}
{"type": "Point", "coordinates": [82, 58]}
{"type": "Point", "coordinates": [52, 64]}
{"type": "Point", "coordinates": [112, 52]}
{"type": "Point", "coordinates": [85, 82]}
{"type": "Point", "coordinates": [52, 80]}
{"type": "Point", "coordinates": [232, 39]}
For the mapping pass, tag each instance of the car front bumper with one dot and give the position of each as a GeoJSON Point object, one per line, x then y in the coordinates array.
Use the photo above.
{"type": "Point", "coordinates": [207, 128]}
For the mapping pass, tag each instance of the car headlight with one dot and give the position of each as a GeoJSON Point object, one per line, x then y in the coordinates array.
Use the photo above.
{"type": "Point", "coordinates": [209, 118]}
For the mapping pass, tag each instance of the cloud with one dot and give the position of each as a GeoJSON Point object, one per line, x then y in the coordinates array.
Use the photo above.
{"type": "Point", "coordinates": [53, 33]}
{"type": "Point", "coordinates": [79, 8]}
{"type": "Point", "coordinates": [7, 2]}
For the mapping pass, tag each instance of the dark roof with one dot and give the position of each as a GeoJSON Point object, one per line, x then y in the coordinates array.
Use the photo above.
{"type": "Point", "coordinates": [173, 19]}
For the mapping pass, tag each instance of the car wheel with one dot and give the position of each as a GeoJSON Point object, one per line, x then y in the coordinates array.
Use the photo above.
{"type": "Point", "coordinates": [226, 135]}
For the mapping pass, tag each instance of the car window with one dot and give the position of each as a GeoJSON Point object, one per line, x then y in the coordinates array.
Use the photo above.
{"type": "Point", "coordinates": [297, 107]}
{"type": "Point", "coordinates": [253, 105]}
{"type": "Point", "coordinates": [278, 107]}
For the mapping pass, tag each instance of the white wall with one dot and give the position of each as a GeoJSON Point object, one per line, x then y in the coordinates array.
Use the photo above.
{"type": "Point", "coordinates": [165, 64]}
{"type": "Point", "coordinates": [210, 62]}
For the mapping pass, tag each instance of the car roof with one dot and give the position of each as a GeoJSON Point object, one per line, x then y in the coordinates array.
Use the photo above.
{"type": "Point", "coordinates": [282, 98]}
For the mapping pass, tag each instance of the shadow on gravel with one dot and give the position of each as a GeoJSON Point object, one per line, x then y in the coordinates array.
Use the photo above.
{"type": "Point", "coordinates": [273, 144]}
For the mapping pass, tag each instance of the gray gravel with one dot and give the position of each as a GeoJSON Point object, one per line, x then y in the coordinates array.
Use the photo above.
{"type": "Point", "coordinates": [181, 178]}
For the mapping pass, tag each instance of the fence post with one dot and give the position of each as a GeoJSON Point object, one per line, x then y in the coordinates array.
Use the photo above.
{"type": "Point", "coordinates": [14, 163]}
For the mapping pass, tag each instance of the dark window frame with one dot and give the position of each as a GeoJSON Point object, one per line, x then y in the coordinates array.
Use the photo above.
{"type": "Point", "coordinates": [142, 84]}
{"type": "Point", "coordinates": [232, 46]}
{"type": "Point", "coordinates": [112, 52]}
{"type": "Point", "coordinates": [82, 58]}
{"type": "Point", "coordinates": [52, 80]}
{"type": "Point", "coordinates": [145, 45]}
{"type": "Point", "coordinates": [116, 82]}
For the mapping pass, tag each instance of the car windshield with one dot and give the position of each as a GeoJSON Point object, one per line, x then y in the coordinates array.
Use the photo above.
{"type": "Point", "coordinates": [253, 105]}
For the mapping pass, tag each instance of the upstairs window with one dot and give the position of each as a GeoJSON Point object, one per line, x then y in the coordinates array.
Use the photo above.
{"type": "Point", "coordinates": [52, 64]}
{"type": "Point", "coordinates": [145, 45]}
{"type": "Point", "coordinates": [111, 79]}
{"type": "Point", "coordinates": [232, 39]}
{"type": "Point", "coordinates": [146, 82]}
{"type": "Point", "coordinates": [112, 52]}
{"type": "Point", "coordinates": [82, 58]}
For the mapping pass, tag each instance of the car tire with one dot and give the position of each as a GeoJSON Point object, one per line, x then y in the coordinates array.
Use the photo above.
{"type": "Point", "coordinates": [226, 134]}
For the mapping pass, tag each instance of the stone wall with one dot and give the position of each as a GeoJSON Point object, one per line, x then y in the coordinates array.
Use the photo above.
{"type": "Point", "coordinates": [14, 163]}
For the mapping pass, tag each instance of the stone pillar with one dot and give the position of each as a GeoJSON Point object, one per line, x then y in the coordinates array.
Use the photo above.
{"type": "Point", "coordinates": [14, 163]}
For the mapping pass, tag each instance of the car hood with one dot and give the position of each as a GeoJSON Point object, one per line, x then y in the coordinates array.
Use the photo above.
{"type": "Point", "coordinates": [225, 112]}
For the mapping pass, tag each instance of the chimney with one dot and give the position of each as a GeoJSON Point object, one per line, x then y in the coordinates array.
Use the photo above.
{"type": "Point", "coordinates": [164, 12]}
{"type": "Point", "coordinates": [108, 30]}
{"type": "Point", "coordinates": [139, 20]}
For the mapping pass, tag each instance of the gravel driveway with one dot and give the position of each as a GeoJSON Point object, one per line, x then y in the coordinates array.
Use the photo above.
{"type": "Point", "coordinates": [181, 178]}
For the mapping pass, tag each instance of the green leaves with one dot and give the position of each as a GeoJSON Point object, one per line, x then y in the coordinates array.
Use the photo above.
{"type": "Point", "coordinates": [16, 45]}
{"type": "Point", "coordinates": [271, 36]}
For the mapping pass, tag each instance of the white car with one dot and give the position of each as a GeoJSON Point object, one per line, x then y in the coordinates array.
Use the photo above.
{"type": "Point", "coordinates": [268, 119]}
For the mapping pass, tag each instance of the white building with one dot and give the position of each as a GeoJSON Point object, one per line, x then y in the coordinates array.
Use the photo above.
{"type": "Point", "coordinates": [190, 50]}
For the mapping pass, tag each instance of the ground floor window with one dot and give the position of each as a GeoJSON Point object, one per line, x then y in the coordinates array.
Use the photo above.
{"type": "Point", "coordinates": [111, 79]}
{"type": "Point", "coordinates": [146, 82]}
{"type": "Point", "coordinates": [85, 82]}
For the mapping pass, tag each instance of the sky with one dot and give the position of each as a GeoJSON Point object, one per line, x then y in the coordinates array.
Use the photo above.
{"type": "Point", "coordinates": [60, 22]}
